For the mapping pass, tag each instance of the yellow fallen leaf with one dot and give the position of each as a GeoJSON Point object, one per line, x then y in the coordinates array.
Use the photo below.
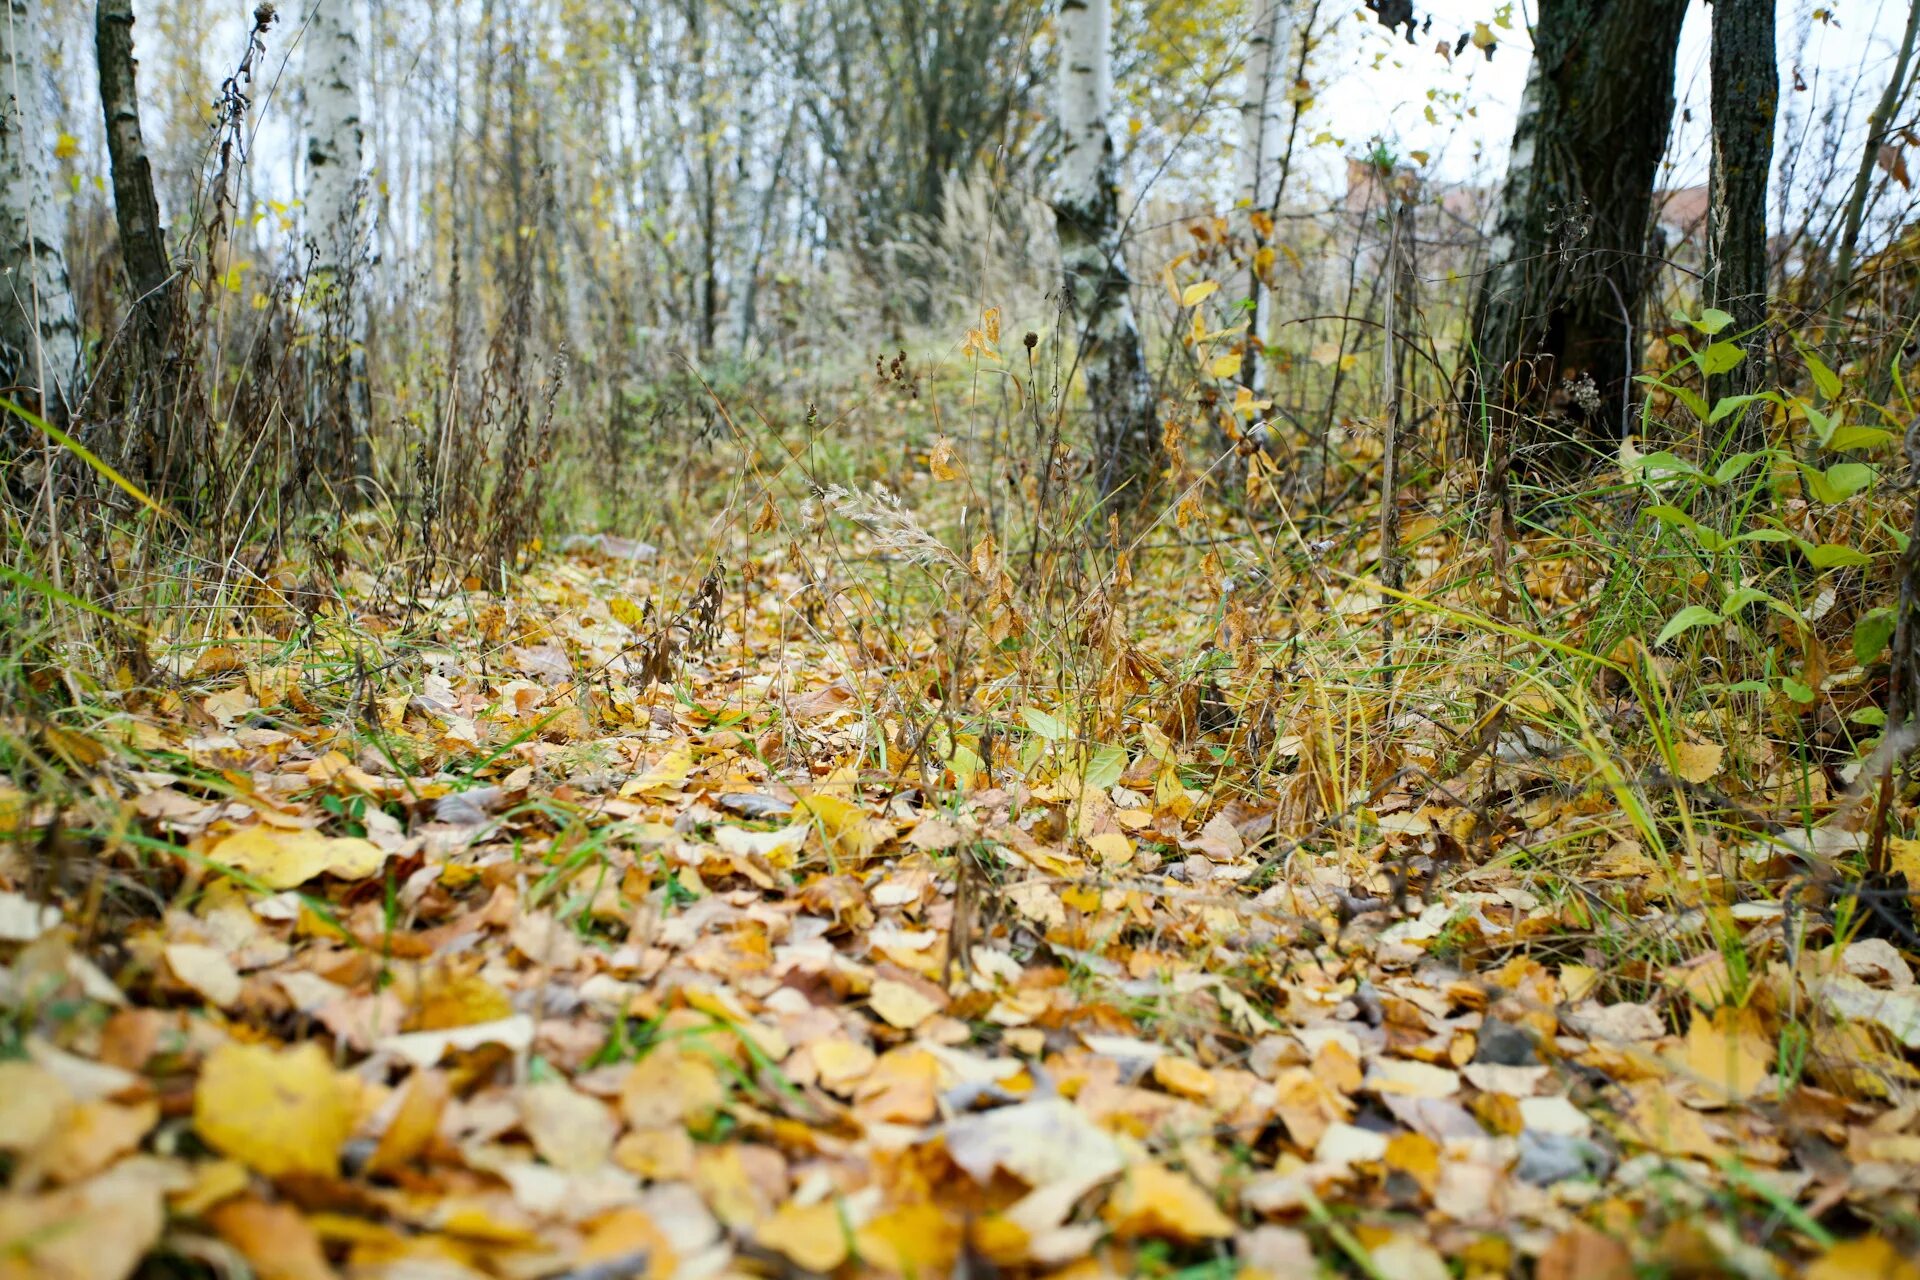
{"type": "Point", "coordinates": [1656, 1120]}
{"type": "Point", "coordinates": [1865, 1258]}
{"type": "Point", "coordinates": [32, 1099]}
{"type": "Point", "coordinates": [629, 1233]}
{"type": "Point", "coordinates": [1184, 1077]}
{"type": "Point", "coordinates": [98, 1230]}
{"type": "Point", "coordinates": [913, 1240]}
{"type": "Point", "coordinates": [1152, 1200]}
{"type": "Point", "coordinates": [1697, 761]}
{"type": "Point", "coordinates": [847, 829]}
{"type": "Point", "coordinates": [275, 1238]}
{"type": "Point", "coordinates": [94, 1134]}
{"type": "Point", "coordinates": [570, 1130]}
{"type": "Point", "coordinates": [901, 1005]}
{"type": "Point", "coordinates": [206, 970]}
{"type": "Point", "coordinates": [841, 1063]}
{"type": "Point", "coordinates": [288, 859]}
{"type": "Point", "coordinates": [670, 1086]}
{"type": "Point", "coordinates": [813, 1236]}
{"type": "Point", "coordinates": [1113, 848]}
{"type": "Point", "coordinates": [1726, 1054]}
{"type": "Point", "coordinates": [280, 1111]}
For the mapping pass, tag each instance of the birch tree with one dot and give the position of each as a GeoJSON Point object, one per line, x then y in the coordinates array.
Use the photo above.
{"type": "Point", "coordinates": [1262, 146]}
{"type": "Point", "coordinates": [1745, 89]}
{"type": "Point", "coordinates": [334, 190]}
{"type": "Point", "coordinates": [39, 332]}
{"type": "Point", "coordinates": [1092, 258]}
{"type": "Point", "coordinates": [1556, 326]}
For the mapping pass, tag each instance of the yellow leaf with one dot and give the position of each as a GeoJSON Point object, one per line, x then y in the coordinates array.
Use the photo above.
{"type": "Point", "coordinates": [1726, 1054]}
{"type": "Point", "coordinates": [288, 859]}
{"type": "Point", "coordinates": [570, 1130]}
{"type": "Point", "coordinates": [1865, 1258]}
{"type": "Point", "coordinates": [1184, 1077]}
{"type": "Point", "coordinates": [846, 828]}
{"type": "Point", "coordinates": [670, 773]}
{"type": "Point", "coordinates": [1113, 848]}
{"type": "Point", "coordinates": [66, 147]}
{"type": "Point", "coordinates": [944, 462]}
{"type": "Point", "coordinates": [625, 612]}
{"type": "Point", "coordinates": [670, 1086]}
{"type": "Point", "coordinates": [93, 1135]}
{"type": "Point", "coordinates": [625, 1233]}
{"type": "Point", "coordinates": [1226, 366]}
{"type": "Point", "coordinates": [280, 1111]}
{"type": "Point", "coordinates": [913, 1240]}
{"type": "Point", "coordinates": [811, 1235]}
{"type": "Point", "coordinates": [414, 1123]}
{"type": "Point", "coordinates": [206, 970]}
{"type": "Point", "coordinates": [901, 1005]}
{"type": "Point", "coordinates": [1697, 761]}
{"type": "Point", "coordinates": [31, 1102]}
{"type": "Point", "coordinates": [98, 1230]}
{"type": "Point", "coordinates": [1155, 1201]}
{"type": "Point", "coordinates": [841, 1063]}
{"type": "Point", "coordinates": [275, 1238]}
{"type": "Point", "coordinates": [1195, 294]}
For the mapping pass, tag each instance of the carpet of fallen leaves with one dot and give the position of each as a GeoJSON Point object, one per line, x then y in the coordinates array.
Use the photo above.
{"type": "Point", "coordinates": [500, 958]}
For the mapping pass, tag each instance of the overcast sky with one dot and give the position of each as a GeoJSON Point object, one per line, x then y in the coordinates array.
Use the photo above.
{"type": "Point", "coordinates": [1378, 84]}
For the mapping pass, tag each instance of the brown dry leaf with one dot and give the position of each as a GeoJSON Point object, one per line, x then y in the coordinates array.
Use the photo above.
{"type": "Point", "coordinates": [670, 1086]}
{"type": "Point", "coordinates": [1655, 1119]}
{"type": "Point", "coordinates": [1153, 1201]}
{"type": "Point", "coordinates": [92, 1135]}
{"type": "Point", "coordinates": [280, 1111]}
{"type": "Point", "coordinates": [274, 1238]}
{"type": "Point", "coordinates": [1582, 1253]}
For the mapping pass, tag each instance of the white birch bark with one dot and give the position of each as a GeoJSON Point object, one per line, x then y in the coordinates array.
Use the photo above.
{"type": "Point", "coordinates": [1263, 139]}
{"type": "Point", "coordinates": [1092, 257]}
{"type": "Point", "coordinates": [39, 332]}
{"type": "Point", "coordinates": [335, 135]}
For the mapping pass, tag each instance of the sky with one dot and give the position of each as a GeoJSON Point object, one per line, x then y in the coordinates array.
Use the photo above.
{"type": "Point", "coordinates": [1379, 85]}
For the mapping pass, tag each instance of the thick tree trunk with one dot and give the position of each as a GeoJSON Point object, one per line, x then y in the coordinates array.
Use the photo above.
{"type": "Point", "coordinates": [1263, 132]}
{"type": "Point", "coordinates": [1556, 328]}
{"type": "Point", "coordinates": [40, 351]}
{"type": "Point", "coordinates": [1746, 89]}
{"type": "Point", "coordinates": [1092, 259]}
{"type": "Point", "coordinates": [143, 241]}
{"type": "Point", "coordinates": [335, 188]}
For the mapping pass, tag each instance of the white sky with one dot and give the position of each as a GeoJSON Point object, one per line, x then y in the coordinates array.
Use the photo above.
{"type": "Point", "coordinates": [1377, 84]}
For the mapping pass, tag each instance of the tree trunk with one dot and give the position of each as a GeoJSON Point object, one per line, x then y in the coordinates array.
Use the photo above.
{"type": "Point", "coordinates": [1746, 89]}
{"type": "Point", "coordinates": [40, 351]}
{"type": "Point", "coordinates": [1092, 258]}
{"type": "Point", "coordinates": [1262, 144]}
{"type": "Point", "coordinates": [143, 241]}
{"type": "Point", "coordinates": [337, 238]}
{"type": "Point", "coordinates": [1556, 326]}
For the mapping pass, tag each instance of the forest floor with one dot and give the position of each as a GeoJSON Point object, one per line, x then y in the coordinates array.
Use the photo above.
{"type": "Point", "coordinates": [659, 918]}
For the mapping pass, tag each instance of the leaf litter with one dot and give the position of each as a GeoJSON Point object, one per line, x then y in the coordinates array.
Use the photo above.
{"type": "Point", "coordinates": [535, 965]}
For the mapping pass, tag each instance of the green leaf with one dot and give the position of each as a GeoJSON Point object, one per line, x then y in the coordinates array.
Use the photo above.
{"type": "Point", "coordinates": [1712, 321]}
{"type": "Point", "coordinates": [1763, 535]}
{"type": "Point", "coordinates": [1800, 693]}
{"type": "Point", "coordinates": [1733, 466]}
{"type": "Point", "coordinates": [1046, 725]}
{"type": "Point", "coordinates": [1872, 717]}
{"type": "Point", "coordinates": [1719, 358]}
{"type": "Point", "coordinates": [1846, 439]}
{"type": "Point", "coordinates": [1108, 763]}
{"type": "Point", "coordinates": [1838, 482]}
{"type": "Point", "coordinates": [1694, 615]}
{"type": "Point", "coordinates": [1831, 555]}
{"type": "Point", "coordinates": [1824, 378]}
{"type": "Point", "coordinates": [1871, 631]}
{"type": "Point", "coordinates": [1733, 404]}
{"type": "Point", "coordinates": [1661, 464]}
{"type": "Point", "coordinates": [1695, 402]}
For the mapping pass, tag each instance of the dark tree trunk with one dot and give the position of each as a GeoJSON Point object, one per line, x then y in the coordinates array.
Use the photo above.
{"type": "Point", "coordinates": [143, 241]}
{"type": "Point", "coordinates": [1746, 89]}
{"type": "Point", "coordinates": [1556, 326]}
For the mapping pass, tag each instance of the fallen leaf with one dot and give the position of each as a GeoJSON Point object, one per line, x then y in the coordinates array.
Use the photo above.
{"type": "Point", "coordinates": [813, 1236]}
{"type": "Point", "coordinates": [1153, 1201]}
{"type": "Point", "coordinates": [288, 859]}
{"type": "Point", "coordinates": [280, 1111]}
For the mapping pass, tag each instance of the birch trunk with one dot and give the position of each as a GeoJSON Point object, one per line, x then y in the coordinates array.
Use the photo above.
{"type": "Point", "coordinates": [1746, 89]}
{"type": "Point", "coordinates": [1092, 258]}
{"type": "Point", "coordinates": [1556, 326]}
{"type": "Point", "coordinates": [1262, 144]}
{"type": "Point", "coordinates": [335, 140]}
{"type": "Point", "coordinates": [39, 332]}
